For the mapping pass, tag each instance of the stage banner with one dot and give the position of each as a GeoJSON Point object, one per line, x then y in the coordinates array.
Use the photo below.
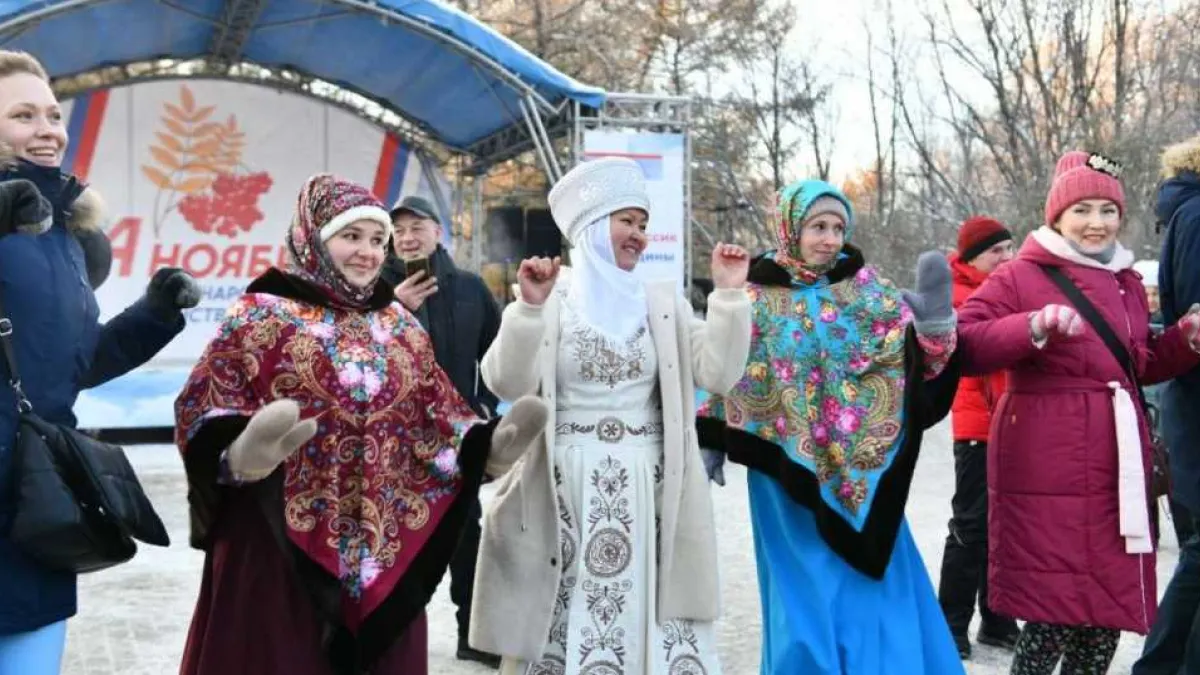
{"type": "Point", "coordinates": [203, 175]}
{"type": "Point", "coordinates": [663, 159]}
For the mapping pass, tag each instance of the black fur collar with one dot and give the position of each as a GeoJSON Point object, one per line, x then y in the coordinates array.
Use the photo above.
{"type": "Point", "coordinates": [285, 285]}
{"type": "Point", "coordinates": [766, 272]}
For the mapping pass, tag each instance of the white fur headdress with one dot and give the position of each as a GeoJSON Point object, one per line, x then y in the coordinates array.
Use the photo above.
{"type": "Point", "coordinates": [596, 189]}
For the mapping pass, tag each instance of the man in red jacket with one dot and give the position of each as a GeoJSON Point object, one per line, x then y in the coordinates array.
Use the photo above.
{"type": "Point", "coordinates": [983, 245]}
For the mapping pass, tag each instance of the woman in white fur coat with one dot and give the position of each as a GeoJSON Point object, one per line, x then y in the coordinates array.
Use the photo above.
{"type": "Point", "coordinates": [585, 546]}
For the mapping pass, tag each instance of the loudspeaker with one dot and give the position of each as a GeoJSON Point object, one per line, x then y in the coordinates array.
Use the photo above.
{"type": "Point", "coordinates": [542, 237]}
{"type": "Point", "coordinates": [505, 227]}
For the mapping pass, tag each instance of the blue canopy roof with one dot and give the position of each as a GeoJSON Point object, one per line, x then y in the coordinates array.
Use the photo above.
{"type": "Point", "coordinates": [455, 77]}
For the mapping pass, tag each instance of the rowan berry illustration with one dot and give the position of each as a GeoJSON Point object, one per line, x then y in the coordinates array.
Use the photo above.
{"type": "Point", "coordinates": [199, 173]}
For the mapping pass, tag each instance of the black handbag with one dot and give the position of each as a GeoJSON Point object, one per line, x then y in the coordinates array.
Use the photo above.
{"type": "Point", "coordinates": [1160, 478]}
{"type": "Point", "coordinates": [79, 504]}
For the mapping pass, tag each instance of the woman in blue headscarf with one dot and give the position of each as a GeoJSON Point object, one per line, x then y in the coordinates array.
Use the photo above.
{"type": "Point", "coordinates": [845, 374]}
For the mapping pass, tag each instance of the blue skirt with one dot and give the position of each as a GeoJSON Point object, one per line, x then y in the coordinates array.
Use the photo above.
{"type": "Point", "coordinates": [823, 617]}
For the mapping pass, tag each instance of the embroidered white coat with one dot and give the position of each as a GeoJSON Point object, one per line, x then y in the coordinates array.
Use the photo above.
{"type": "Point", "coordinates": [518, 572]}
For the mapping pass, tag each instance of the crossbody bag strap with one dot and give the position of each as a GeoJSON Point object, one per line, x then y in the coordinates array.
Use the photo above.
{"type": "Point", "coordinates": [10, 359]}
{"type": "Point", "coordinates": [1088, 311]}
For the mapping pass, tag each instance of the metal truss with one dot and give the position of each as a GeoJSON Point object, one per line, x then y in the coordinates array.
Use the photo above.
{"type": "Point", "coordinates": [645, 112]}
{"type": "Point", "coordinates": [236, 25]}
{"type": "Point", "coordinates": [515, 141]}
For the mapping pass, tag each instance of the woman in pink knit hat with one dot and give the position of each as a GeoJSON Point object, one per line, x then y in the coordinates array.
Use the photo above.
{"type": "Point", "coordinates": [1071, 542]}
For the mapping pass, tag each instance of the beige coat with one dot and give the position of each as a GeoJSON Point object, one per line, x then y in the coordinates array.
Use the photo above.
{"type": "Point", "coordinates": [518, 572]}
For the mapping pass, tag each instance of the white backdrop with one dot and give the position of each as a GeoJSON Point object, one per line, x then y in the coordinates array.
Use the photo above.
{"type": "Point", "coordinates": [204, 175]}
{"type": "Point", "coordinates": [661, 157]}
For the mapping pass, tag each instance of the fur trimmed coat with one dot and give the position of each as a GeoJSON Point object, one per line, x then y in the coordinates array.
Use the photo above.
{"type": "Point", "coordinates": [517, 576]}
{"type": "Point", "coordinates": [1179, 285]}
{"type": "Point", "coordinates": [61, 349]}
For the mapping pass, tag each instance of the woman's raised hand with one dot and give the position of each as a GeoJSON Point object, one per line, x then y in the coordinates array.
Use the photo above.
{"type": "Point", "coordinates": [536, 277]}
{"type": "Point", "coordinates": [730, 266]}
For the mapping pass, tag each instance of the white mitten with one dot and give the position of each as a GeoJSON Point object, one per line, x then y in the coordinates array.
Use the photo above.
{"type": "Point", "coordinates": [1055, 321]}
{"type": "Point", "coordinates": [515, 432]}
{"type": "Point", "coordinates": [272, 435]}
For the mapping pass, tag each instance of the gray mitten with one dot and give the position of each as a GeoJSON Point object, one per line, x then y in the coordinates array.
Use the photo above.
{"type": "Point", "coordinates": [515, 433]}
{"type": "Point", "coordinates": [714, 465]}
{"type": "Point", "coordinates": [273, 434]}
{"type": "Point", "coordinates": [932, 304]}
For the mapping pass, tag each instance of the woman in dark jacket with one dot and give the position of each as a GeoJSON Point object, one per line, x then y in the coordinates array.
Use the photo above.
{"type": "Point", "coordinates": [60, 346]}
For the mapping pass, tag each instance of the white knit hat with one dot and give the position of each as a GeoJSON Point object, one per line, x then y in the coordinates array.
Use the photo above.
{"type": "Point", "coordinates": [596, 189]}
{"type": "Point", "coordinates": [353, 215]}
{"type": "Point", "coordinates": [1149, 271]}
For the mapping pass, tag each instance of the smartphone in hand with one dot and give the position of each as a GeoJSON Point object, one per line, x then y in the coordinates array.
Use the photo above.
{"type": "Point", "coordinates": [411, 267]}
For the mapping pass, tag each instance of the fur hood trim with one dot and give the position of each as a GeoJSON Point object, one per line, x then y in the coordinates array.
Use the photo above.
{"type": "Point", "coordinates": [88, 212]}
{"type": "Point", "coordinates": [1184, 156]}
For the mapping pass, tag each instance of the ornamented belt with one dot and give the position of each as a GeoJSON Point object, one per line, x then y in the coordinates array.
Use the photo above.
{"type": "Point", "coordinates": [610, 428]}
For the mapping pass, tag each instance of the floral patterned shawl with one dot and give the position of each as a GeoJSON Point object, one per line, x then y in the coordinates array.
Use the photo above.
{"type": "Point", "coordinates": [369, 491]}
{"type": "Point", "coordinates": [825, 378]}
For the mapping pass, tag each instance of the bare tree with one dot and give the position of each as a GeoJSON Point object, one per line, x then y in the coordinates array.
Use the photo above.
{"type": "Point", "coordinates": [1097, 75]}
{"type": "Point", "coordinates": [783, 99]}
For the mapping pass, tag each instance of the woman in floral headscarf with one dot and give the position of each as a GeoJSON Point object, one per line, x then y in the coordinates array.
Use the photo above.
{"type": "Point", "coordinates": [330, 461]}
{"type": "Point", "coordinates": [845, 373]}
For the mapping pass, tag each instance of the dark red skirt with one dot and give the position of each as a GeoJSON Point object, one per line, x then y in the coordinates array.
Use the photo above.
{"type": "Point", "coordinates": [253, 618]}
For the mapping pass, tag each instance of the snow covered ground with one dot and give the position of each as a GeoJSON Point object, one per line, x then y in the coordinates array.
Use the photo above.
{"type": "Point", "coordinates": [133, 619]}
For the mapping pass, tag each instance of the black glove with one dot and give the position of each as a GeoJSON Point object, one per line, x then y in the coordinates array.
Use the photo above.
{"type": "Point", "coordinates": [170, 291]}
{"type": "Point", "coordinates": [23, 208]}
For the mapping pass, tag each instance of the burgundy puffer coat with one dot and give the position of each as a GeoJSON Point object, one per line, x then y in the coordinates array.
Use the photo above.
{"type": "Point", "coordinates": [1056, 554]}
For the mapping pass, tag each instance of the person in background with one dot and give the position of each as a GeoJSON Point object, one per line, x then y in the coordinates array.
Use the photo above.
{"type": "Point", "coordinates": [984, 244]}
{"type": "Point", "coordinates": [61, 347]}
{"type": "Point", "coordinates": [1148, 271]}
{"type": "Point", "coordinates": [1071, 545]}
{"type": "Point", "coordinates": [1173, 645]}
{"type": "Point", "coordinates": [1181, 520]}
{"type": "Point", "coordinates": [462, 318]}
